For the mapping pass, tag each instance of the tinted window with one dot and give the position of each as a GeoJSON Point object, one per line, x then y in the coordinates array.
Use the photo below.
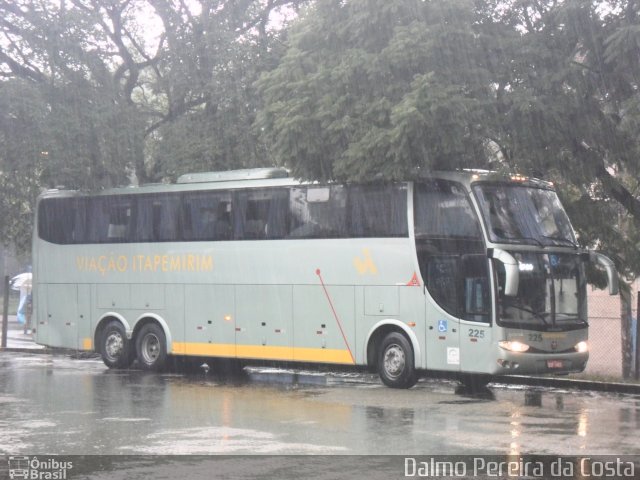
{"type": "Point", "coordinates": [442, 209]}
{"type": "Point", "coordinates": [207, 216]}
{"type": "Point", "coordinates": [61, 220]}
{"type": "Point", "coordinates": [518, 214]}
{"type": "Point", "coordinates": [337, 211]}
{"type": "Point", "coordinates": [318, 212]}
{"type": "Point", "coordinates": [378, 211]}
{"type": "Point", "coordinates": [314, 211]}
{"type": "Point", "coordinates": [261, 214]}
{"type": "Point", "coordinates": [157, 218]}
{"type": "Point", "coordinates": [109, 219]}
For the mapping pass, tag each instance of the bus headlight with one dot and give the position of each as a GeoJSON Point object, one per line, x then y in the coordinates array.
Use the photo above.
{"type": "Point", "coordinates": [514, 346]}
{"type": "Point", "coordinates": [582, 347]}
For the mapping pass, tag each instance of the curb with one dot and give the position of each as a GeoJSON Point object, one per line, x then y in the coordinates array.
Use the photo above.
{"type": "Point", "coordinates": [570, 383]}
{"type": "Point", "coordinates": [27, 350]}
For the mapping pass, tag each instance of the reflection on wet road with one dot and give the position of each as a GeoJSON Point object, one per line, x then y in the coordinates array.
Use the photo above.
{"type": "Point", "coordinates": [57, 405]}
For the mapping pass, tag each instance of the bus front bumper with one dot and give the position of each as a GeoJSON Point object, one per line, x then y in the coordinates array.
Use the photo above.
{"type": "Point", "coordinates": [510, 363]}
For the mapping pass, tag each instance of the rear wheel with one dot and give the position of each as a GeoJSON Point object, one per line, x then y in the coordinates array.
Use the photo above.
{"type": "Point", "coordinates": [151, 347]}
{"type": "Point", "coordinates": [115, 348]}
{"type": "Point", "coordinates": [396, 365]}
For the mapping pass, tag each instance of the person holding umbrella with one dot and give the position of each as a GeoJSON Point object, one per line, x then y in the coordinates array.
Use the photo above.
{"type": "Point", "coordinates": [22, 283]}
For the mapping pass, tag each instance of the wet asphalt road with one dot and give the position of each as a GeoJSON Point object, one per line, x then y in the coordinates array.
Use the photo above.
{"type": "Point", "coordinates": [131, 424]}
{"type": "Point", "coordinates": [57, 405]}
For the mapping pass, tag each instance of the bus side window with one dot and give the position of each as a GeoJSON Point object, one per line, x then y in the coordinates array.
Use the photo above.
{"type": "Point", "coordinates": [378, 211]}
{"type": "Point", "coordinates": [442, 282]}
{"type": "Point", "coordinates": [207, 216]}
{"type": "Point", "coordinates": [261, 214]}
{"type": "Point", "coordinates": [61, 220]}
{"type": "Point", "coordinates": [157, 218]}
{"type": "Point", "coordinates": [109, 219]}
{"type": "Point", "coordinates": [318, 212]}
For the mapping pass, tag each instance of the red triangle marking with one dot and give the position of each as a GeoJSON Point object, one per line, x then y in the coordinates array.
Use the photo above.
{"type": "Point", "coordinates": [414, 282]}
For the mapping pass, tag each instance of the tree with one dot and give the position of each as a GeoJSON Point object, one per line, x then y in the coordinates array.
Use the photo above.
{"type": "Point", "coordinates": [214, 55]}
{"type": "Point", "coordinates": [371, 89]}
{"type": "Point", "coordinates": [376, 88]}
{"type": "Point", "coordinates": [23, 147]}
{"type": "Point", "coordinates": [113, 102]}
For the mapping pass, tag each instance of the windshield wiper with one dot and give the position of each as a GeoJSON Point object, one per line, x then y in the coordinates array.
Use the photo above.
{"type": "Point", "coordinates": [519, 240]}
{"type": "Point", "coordinates": [539, 315]}
{"type": "Point", "coordinates": [566, 241]}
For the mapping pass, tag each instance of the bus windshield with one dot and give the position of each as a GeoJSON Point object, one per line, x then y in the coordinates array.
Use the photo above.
{"type": "Point", "coordinates": [521, 214]}
{"type": "Point", "coordinates": [551, 293]}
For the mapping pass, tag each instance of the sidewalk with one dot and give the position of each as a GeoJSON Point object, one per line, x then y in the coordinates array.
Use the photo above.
{"type": "Point", "coordinates": [17, 340]}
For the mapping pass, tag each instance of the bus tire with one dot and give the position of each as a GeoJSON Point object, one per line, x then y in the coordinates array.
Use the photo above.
{"type": "Point", "coordinates": [115, 348]}
{"type": "Point", "coordinates": [396, 365]}
{"type": "Point", "coordinates": [151, 347]}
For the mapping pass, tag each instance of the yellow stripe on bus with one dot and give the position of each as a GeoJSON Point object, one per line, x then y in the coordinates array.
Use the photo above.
{"type": "Point", "coordinates": [262, 352]}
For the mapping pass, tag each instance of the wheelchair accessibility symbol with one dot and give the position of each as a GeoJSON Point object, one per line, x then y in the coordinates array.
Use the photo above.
{"type": "Point", "coordinates": [442, 326]}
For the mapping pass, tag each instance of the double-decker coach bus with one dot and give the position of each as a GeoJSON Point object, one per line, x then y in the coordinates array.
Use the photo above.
{"type": "Point", "coordinates": [463, 272]}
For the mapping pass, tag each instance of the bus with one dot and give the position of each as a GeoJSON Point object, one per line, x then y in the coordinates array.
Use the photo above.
{"type": "Point", "coordinates": [470, 273]}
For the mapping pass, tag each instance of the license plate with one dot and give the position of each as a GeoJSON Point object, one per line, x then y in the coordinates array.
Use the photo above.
{"type": "Point", "coordinates": [554, 364]}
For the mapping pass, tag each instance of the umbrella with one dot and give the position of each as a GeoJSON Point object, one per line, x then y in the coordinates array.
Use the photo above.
{"type": "Point", "coordinates": [22, 280]}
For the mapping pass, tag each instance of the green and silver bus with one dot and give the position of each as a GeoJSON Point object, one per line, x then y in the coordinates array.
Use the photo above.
{"type": "Point", "coordinates": [467, 272]}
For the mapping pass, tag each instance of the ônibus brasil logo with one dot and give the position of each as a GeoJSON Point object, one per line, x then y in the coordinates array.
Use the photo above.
{"type": "Point", "coordinates": [36, 469]}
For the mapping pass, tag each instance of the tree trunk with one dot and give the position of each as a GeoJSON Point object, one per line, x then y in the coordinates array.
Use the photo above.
{"type": "Point", "coordinates": [625, 330]}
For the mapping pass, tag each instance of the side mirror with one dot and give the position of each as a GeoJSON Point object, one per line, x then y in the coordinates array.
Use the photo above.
{"type": "Point", "coordinates": [511, 270]}
{"type": "Point", "coordinates": [606, 263]}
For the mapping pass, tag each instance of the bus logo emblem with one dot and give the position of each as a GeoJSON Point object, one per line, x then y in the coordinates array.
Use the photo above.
{"type": "Point", "coordinates": [366, 265]}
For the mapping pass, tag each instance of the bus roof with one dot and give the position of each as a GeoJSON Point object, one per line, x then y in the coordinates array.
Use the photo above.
{"type": "Point", "coordinates": [278, 177]}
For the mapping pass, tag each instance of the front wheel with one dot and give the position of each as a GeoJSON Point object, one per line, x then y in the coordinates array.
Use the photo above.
{"type": "Point", "coordinates": [115, 348]}
{"type": "Point", "coordinates": [151, 347]}
{"type": "Point", "coordinates": [396, 365]}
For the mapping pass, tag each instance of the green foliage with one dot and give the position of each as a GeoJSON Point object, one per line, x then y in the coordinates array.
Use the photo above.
{"type": "Point", "coordinates": [352, 90]}
{"type": "Point", "coordinates": [102, 100]}
{"type": "Point", "coordinates": [372, 89]}
{"type": "Point", "coordinates": [22, 149]}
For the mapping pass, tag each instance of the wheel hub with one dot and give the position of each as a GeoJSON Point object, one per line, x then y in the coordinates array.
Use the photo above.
{"type": "Point", "coordinates": [114, 345]}
{"type": "Point", "coordinates": [150, 348]}
{"type": "Point", "coordinates": [394, 360]}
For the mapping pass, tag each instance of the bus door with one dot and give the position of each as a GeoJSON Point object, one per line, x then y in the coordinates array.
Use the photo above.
{"type": "Point", "coordinates": [454, 266]}
{"type": "Point", "coordinates": [458, 311]}
{"type": "Point", "coordinates": [476, 349]}
{"type": "Point", "coordinates": [443, 327]}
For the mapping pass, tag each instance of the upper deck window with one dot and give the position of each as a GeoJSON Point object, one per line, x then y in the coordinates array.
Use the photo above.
{"type": "Point", "coordinates": [157, 218]}
{"type": "Point", "coordinates": [109, 219]}
{"type": "Point", "coordinates": [207, 216]}
{"type": "Point", "coordinates": [521, 214]}
{"type": "Point", "coordinates": [443, 209]}
{"type": "Point", "coordinates": [309, 211]}
{"type": "Point", "coordinates": [61, 220]}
